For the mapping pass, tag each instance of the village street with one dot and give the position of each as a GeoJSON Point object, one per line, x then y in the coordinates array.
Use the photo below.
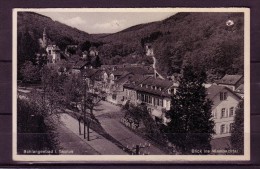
{"type": "Point", "coordinates": [109, 117]}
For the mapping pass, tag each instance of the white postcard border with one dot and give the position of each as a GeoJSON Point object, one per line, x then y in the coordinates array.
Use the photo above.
{"type": "Point", "coordinates": [131, 158]}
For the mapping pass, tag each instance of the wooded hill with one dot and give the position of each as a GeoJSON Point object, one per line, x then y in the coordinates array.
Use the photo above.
{"type": "Point", "coordinates": [59, 33]}
{"type": "Point", "coordinates": [203, 39]}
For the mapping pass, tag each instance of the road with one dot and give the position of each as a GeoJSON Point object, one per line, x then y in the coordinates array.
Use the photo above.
{"type": "Point", "coordinates": [109, 116]}
{"type": "Point", "coordinates": [71, 142]}
{"type": "Point", "coordinates": [154, 67]}
{"type": "Point", "coordinates": [97, 142]}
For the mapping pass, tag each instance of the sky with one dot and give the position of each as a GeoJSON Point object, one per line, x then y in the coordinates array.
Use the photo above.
{"type": "Point", "coordinates": [105, 22]}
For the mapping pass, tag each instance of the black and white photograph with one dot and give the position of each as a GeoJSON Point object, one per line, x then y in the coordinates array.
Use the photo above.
{"type": "Point", "coordinates": [131, 84]}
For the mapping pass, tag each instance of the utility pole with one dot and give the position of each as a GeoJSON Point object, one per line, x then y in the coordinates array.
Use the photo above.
{"type": "Point", "coordinates": [88, 129]}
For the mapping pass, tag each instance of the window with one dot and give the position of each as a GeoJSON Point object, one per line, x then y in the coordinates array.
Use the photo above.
{"type": "Point", "coordinates": [114, 96]}
{"type": "Point", "coordinates": [231, 112]}
{"type": "Point", "coordinates": [223, 95]}
{"type": "Point", "coordinates": [222, 129]}
{"type": "Point", "coordinates": [231, 127]}
{"type": "Point", "coordinates": [214, 114]}
{"type": "Point", "coordinates": [223, 112]}
{"type": "Point", "coordinates": [160, 102]}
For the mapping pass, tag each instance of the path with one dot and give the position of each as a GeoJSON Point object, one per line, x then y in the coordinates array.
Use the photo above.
{"type": "Point", "coordinates": [154, 67]}
{"type": "Point", "coordinates": [97, 142]}
{"type": "Point", "coordinates": [69, 141]}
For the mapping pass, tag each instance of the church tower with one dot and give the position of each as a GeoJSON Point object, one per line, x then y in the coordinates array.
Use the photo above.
{"type": "Point", "coordinates": [44, 38]}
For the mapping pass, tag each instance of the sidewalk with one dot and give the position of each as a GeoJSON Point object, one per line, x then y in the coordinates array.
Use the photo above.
{"type": "Point", "coordinates": [97, 142]}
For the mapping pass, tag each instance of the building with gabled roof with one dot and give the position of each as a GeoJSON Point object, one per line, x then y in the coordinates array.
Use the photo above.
{"type": "Point", "coordinates": [240, 90]}
{"type": "Point", "coordinates": [79, 66]}
{"type": "Point", "coordinates": [155, 93]}
{"type": "Point", "coordinates": [231, 81]}
{"type": "Point", "coordinates": [225, 102]}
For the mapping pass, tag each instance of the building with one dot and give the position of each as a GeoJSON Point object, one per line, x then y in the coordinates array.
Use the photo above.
{"type": "Point", "coordinates": [93, 78]}
{"type": "Point", "coordinates": [231, 81]}
{"type": "Point", "coordinates": [54, 54]}
{"type": "Point", "coordinates": [155, 93]}
{"type": "Point", "coordinates": [117, 95]}
{"type": "Point", "coordinates": [44, 40]}
{"type": "Point", "coordinates": [93, 51]}
{"type": "Point", "coordinates": [79, 66]}
{"type": "Point", "coordinates": [149, 50]}
{"type": "Point", "coordinates": [240, 90]}
{"type": "Point", "coordinates": [129, 88]}
{"type": "Point", "coordinates": [225, 102]}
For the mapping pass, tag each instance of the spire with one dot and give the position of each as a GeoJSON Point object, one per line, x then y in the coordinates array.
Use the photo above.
{"type": "Point", "coordinates": [44, 31]}
{"type": "Point", "coordinates": [44, 38]}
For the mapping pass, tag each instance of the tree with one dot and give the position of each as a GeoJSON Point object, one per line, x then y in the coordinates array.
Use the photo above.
{"type": "Point", "coordinates": [30, 72]}
{"type": "Point", "coordinates": [96, 63]}
{"type": "Point", "coordinates": [51, 95]}
{"type": "Point", "coordinates": [237, 134]}
{"type": "Point", "coordinates": [138, 114]}
{"type": "Point", "coordinates": [191, 126]}
{"type": "Point", "coordinates": [34, 127]}
{"type": "Point", "coordinates": [85, 46]}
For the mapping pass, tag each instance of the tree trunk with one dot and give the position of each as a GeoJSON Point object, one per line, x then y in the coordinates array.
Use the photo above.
{"type": "Point", "coordinates": [79, 127]}
{"type": "Point", "coordinates": [93, 116]}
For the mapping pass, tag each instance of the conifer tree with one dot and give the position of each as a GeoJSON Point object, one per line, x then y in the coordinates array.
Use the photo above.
{"type": "Point", "coordinates": [237, 134]}
{"type": "Point", "coordinates": [191, 126]}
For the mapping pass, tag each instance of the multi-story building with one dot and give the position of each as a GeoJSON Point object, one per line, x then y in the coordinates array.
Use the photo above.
{"type": "Point", "coordinates": [225, 102]}
{"type": "Point", "coordinates": [231, 81]}
{"type": "Point", "coordinates": [155, 93]}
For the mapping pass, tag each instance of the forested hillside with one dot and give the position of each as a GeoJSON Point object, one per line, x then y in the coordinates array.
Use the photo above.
{"type": "Point", "coordinates": [60, 33]}
{"type": "Point", "coordinates": [204, 39]}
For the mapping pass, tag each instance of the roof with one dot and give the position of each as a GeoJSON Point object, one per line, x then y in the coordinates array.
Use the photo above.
{"type": "Point", "coordinates": [214, 90]}
{"type": "Point", "coordinates": [119, 72]}
{"type": "Point", "coordinates": [80, 64]}
{"type": "Point", "coordinates": [135, 80]}
{"type": "Point", "coordinates": [155, 86]}
{"type": "Point", "coordinates": [137, 70]}
{"type": "Point", "coordinates": [89, 73]}
{"type": "Point", "coordinates": [240, 89]}
{"type": "Point", "coordinates": [230, 79]}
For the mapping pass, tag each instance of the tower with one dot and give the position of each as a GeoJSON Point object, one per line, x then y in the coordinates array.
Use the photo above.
{"type": "Point", "coordinates": [44, 38]}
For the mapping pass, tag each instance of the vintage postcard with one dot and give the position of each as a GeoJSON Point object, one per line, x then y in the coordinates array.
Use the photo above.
{"type": "Point", "coordinates": [131, 84]}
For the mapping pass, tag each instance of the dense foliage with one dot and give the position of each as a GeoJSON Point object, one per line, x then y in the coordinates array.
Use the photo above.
{"type": "Point", "coordinates": [202, 39]}
{"type": "Point", "coordinates": [35, 131]}
{"type": "Point", "coordinates": [237, 134]}
{"type": "Point", "coordinates": [139, 115]}
{"type": "Point", "coordinates": [60, 33]}
{"type": "Point", "coordinates": [191, 125]}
